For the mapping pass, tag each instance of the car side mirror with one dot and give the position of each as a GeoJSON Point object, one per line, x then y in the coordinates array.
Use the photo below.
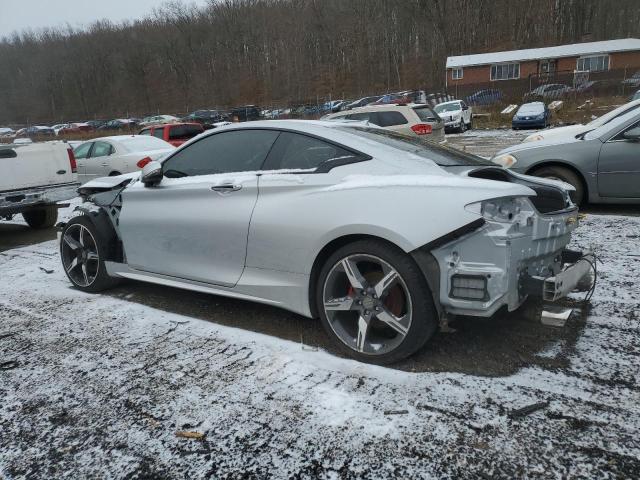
{"type": "Point", "coordinates": [632, 134]}
{"type": "Point", "coordinates": [152, 174]}
{"type": "Point", "coordinates": [465, 108]}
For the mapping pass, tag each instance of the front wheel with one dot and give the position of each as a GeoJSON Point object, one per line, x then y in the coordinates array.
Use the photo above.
{"type": "Point", "coordinates": [374, 300]}
{"type": "Point", "coordinates": [463, 126]}
{"type": "Point", "coordinates": [567, 176]}
{"type": "Point", "coordinates": [40, 218]}
{"type": "Point", "coordinates": [82, 250]}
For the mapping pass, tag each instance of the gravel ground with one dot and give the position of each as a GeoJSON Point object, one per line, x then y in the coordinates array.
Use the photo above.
{"type": "Point", "coordinates": [108, 385]}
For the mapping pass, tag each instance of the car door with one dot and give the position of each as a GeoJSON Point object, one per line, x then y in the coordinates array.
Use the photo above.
{"type": "Point", "coordinates": [466, 112]}
{"type": "Point", "coordinates": [619, 166]}
{"type": "Point", "coordinates": [194, 224]}
{"type": "Point", "coordinates": [297, 166]}
{"type": "Point", "coordinates": [98, 163]}
{"type": "Point", "coordinates": [82, 153]}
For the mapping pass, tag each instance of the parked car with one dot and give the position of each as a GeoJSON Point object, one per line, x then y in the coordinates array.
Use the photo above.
{"type": "Point", "coordinates": [118, 124]}
{"type": "Point", "coordinates": [176, 133]}
{"type": "Point", "coordinates": [551, 91]}
{"type": "Point", "coordinates": [74, 128]}
{"type": "Point", "coordinates": [334, 231]}
{"type": "Point", "coordinates": [456, 115]}
{"type": "Point", "coordinates": [34, 177]}
{"type": "Point", "coordinates": [601, 164]}
{"type": "Point", "coordinates": [363, 102]}
{"type": "Point", "coordinates": [6, 132]}
{"type": "Point", "coordinates": [331, 106]}
{"type": "Point", "coordinates": [96, 124]}
{"type": "Point", "coordinates": [573, 130]}
{"type": "Point", "coordinates": [205, 117]}
{"type": "Point", "coordinates": [531, 115]}
{"type": "Point", "coordinates": [485, 97]}
{"type": "Point", "coordinates": [245, 114]}
{"type": "Point", "coordinates": [111, 156]}
{"type": "Point", "coordinates": [36, 131]}
{"type": "Point", "coordinates": [158, 119]}
{"type": "Point", "coordinates": [633, 80]}
{"type": "Point", "coordinates": [413, 120]}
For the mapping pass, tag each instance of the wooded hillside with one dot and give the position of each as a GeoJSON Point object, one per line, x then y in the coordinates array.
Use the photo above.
{"type": "Point", "coordinates": [277, 52]}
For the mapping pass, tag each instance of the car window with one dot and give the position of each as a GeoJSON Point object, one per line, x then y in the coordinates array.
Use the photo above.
{"type": "Point", "coordinates": [101, 149]}
{"type": "Point", "coordinates": [158, 133]}
{"type": "Point", "coordinates": [390, 119]}
{"type": "Point", "coordinates": [293, 151]}
{"type": "Point", "coordinates": [425, 114]}
{"type": "Point", "coordinates": [440, 154]}
{"type": "Point", "coordinates": [146, 131]}
{"type": "Point", "coordinates": [235, 151]}
{"type": "Point", "coordinates": [82, 151]}
{"type": "Point", "coordinates": [620, 136]}
{"type": "Point", "coordinates": [184, 132]}
{"type": "Point", "coordinates": [363, 117]}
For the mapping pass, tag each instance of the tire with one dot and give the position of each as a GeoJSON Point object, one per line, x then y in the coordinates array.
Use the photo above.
{"type": "Point", "coordinates": [44, 217]}
{"type": "Point", "coordinates": [406, 302]}
{"type": "Point", "coordinates": [566, 175]}
{"type": "Point", "coordinates": [463, 126]}
{"type": "Point", "coordinates": [89, 251]}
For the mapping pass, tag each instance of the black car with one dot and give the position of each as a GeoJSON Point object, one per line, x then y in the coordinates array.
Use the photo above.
{"type": "Point", "coordinates": [246, 113]}
{"type": "Point", "coordinates": [95, 124]}
{"type": "Point", "coordinates": [118, 124]}
{"type": "Point", "coordinates": [205, 117]}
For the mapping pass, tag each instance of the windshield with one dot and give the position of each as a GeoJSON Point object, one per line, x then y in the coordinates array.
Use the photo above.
{"type": "Point", "coordinates": [607, 117]}
{"type": "Point", "coordinates": [529, 108]}
{"type": "Point", "coordinates": [442, 155]}
{"type": "Point", "coordinates": [142, 143]}
{"type": "Point", "coordinates": [613, 126]}
{"type": "Point", "coordinates": [447, 107]}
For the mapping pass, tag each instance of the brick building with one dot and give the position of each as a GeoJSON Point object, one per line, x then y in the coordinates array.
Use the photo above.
{"type": "Point", "coordinates": [579, 58]}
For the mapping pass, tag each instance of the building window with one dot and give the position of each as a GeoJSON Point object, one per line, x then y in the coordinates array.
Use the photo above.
{"type": "Point", "coordinates": [456, 73]}
{"type": "Point", "coordinates": [596, 63]}
{"type": "Point", "coordinates": [505, 71]}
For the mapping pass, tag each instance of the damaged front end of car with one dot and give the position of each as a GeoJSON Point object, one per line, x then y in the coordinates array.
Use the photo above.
{"type": "Point", "coordinates": [516, 249]}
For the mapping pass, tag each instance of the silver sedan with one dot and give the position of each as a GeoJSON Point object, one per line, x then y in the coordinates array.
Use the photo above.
{"type": "Point", "coordinates": [379, 235]}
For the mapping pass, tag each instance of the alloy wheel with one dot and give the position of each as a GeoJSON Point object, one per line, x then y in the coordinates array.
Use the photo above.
{"type": "Point", "coordinates": [367, 304]}
{"type": "Point", "coordinates": [80, 255]}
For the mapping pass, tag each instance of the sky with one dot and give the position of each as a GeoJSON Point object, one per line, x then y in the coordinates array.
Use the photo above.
{"type": "Point", "coordinates": [17, 15]}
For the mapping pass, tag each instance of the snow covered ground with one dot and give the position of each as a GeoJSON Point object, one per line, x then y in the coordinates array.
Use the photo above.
{"type": "Point", "coordinates": [100, 386]}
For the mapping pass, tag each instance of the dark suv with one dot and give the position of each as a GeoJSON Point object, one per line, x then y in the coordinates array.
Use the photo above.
{"type": "Point", "coordinates": [246, 113]}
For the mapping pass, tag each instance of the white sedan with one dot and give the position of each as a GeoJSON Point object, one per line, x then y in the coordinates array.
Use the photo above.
{"type": "Point", "coordinates": [158, 119]}
{"type": "Point", "coordinates": [109, 156]}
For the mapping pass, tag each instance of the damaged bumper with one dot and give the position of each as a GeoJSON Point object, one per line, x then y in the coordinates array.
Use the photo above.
{"type": "Point", "coordinates": [503, 262]}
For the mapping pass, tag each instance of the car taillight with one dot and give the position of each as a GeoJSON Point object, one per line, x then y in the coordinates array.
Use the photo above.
{"type": "Point", "coordinates": [422, 129]}
{"type": "Point", "coordinates": [143, 162]}
{"type": "Point", "coordinates": [72, 161]}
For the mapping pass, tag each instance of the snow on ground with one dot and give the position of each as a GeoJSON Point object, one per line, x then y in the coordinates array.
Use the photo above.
{"type": "Point", "coordinates": [103, 383]}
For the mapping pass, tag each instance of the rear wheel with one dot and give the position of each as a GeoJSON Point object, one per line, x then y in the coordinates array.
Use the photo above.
{"type": "Point", "coordinates": [44, 217]}
{"type": "Point", "coordinates": [565, 175]}
{"type": "Point", "coordinates": [82, 249]}
{"type": "Point", "coordinates": [374, 300]}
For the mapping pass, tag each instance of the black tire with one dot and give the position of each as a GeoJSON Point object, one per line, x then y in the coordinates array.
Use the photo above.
{"type": "Point", "coordinates": [44, 217]}
{"type": "Point", "coordinates": [102, 243]}
{"type": "Point", "coordinates": [463, 126]}
{"type": "Point", "coordinates": [424, 318]}
{"type": "Point", "coordinates": [566, 175]}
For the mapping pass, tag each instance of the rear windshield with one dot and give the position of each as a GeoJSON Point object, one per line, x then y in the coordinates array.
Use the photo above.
{"type": "Point", "coordinates": [425, 114]}
{"type": "Point", "coordinates": [184, 132]}
{"type": "Point", "coordinates": [141, 143]}
{"type": "Point", "coordinates": [440, 154]}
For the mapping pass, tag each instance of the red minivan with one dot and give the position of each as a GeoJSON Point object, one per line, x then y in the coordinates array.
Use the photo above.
{"type": "Point", "coordinates": [174, 133]}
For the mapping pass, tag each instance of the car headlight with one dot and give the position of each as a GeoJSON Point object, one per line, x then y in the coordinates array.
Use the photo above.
{"type": "Point", "coordinates": [503, 210]}
{"type": "Point", "coordinates": [533, 138]}
{"type": "Point", "coordinates": [506, 160]}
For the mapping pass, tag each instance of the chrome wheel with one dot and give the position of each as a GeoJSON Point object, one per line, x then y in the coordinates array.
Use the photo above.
{"type": "Point", "coordinates": [80, 255]}
{"type": "Point", "coordinates": [367, 304]}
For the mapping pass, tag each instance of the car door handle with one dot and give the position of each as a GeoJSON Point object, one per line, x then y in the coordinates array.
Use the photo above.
{"type": "Point", "coordinates": [105, 164]}
{"type": "Point", "coordinates": [226, 188]}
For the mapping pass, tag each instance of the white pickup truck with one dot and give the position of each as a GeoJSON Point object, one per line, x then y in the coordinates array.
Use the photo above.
{"type": "Point", "coordinates": [34, 177]}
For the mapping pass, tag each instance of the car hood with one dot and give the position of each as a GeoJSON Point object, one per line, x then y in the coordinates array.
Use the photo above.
{"type": "Point", "coordinates": [555, 133]}
{"type": "Point", "coordinates": [450, 113]}
{"type": "Point", "coordinates": [545, 142]}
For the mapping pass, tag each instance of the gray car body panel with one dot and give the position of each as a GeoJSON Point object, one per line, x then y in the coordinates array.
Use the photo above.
{"type": "Point", "coordinates": [260, 242]}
